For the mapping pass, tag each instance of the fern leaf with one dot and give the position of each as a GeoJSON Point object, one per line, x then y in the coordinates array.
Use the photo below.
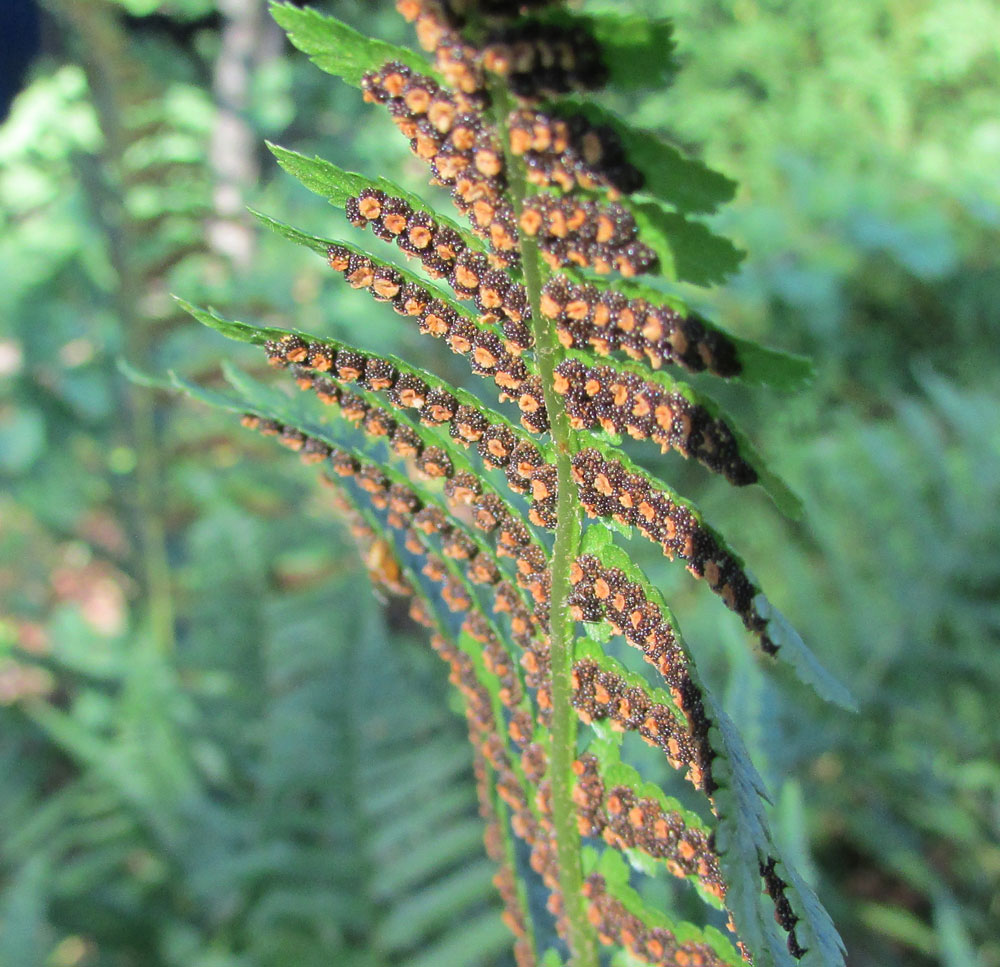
{"type": "Point", "coordinates": [336, 48]}
{"type": "Point", "coordinates": [691, 422]}
{"type": "Point", "coordinates": [337, 186]}
{"type": "Point", "coordinates": [322, 247]}
{"type": "Point", "coordinates": [522, 677]}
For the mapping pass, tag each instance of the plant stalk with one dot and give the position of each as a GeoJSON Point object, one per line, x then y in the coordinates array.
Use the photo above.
{"type": "Point", "coordinates": [581, 936]}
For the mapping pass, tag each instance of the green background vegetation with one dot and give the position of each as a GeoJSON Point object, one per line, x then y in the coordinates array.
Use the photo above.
{"type": "Point", "coordinates": [217, 749]}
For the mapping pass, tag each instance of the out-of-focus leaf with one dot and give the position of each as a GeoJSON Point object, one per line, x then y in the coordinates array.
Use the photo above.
{"type": "Point", "coordinates": [24, 932]}
{"type": "Point", "coordinates": [22, 438]}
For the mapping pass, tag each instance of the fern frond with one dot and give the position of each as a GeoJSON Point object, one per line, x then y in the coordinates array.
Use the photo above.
{"type": "Point", "coordinates": [546, 187]}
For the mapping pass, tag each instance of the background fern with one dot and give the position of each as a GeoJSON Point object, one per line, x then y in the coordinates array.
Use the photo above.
{"type": "Point", "coordinates": [888, 901]}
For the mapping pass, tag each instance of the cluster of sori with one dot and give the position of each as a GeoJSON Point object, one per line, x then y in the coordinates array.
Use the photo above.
{"type": "Point", "coordinates": [488, 354]}
{"type": "Point", "coordinates": [449, 134]}
{"type": "Point", "coordinates": [600, 696]}
{"type": "Point", "coordinates": [537, 59]}
{"type": "Point", "coordinates": [774, 886]}
{"type": "Point", "coordinates": [588, 234]}
{"type": "Point", "coordinates": [628, 821]}
{"type": "Point", "coordinates": [443, 254]}
{"type": "Point", "coordinates": [438, 24]}
{"type": "Point", "coordinates": [498, 445]}
{"type": "Point", "coordinates": [608, 490]}
{"type": "Point", "coordinates": [540, 60]}
{"type": "Point", "coordinates": [623, 819]}
{"type": "Point", "coordinates": [462, 489]}
{"type": "Point", "coordinates": [606, 321]}
{"type": "Point", "coordinates": [529, 814]}
{"type": "Point", "coordinates": [605, 593]}
{"type": "Point", "coordinates": [311, 362]}
{"type": "Point", "coordinates": [655, 945]}
{"type": "Point", "coordinates": [571, 152]}
{"type": "Point", "coordinates": [376, 552]}
{"type": "Point", "coordinates": [623, 402]}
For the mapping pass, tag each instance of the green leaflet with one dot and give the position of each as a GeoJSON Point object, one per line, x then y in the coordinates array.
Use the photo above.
{"type": "Point", "coordinates": [140, 377]}
{"type": "Point", "coordinates": [612, 867]}
{"type": "Point", "coordinates": [338, 49]}
{"type": "Point", "coordinates": [784, 498]}
{"type": "Point", "coordinates": [762, 366]}
{"type": "Point", "coordinates": [336, 185]}
{"type": "Point", "coordinates": [743, 841]}
{"type": "Point", "coordinates": [687, 185]}
{"type": "Point", "coordinates": [322, 245]}
{"type": "Point", "coordinates": [689, 251]}
{"type": "Point", "coordinates": [614, 772]}
{"type": "Point", "coordinates": [240, 331]}
{"type": "Point", "coordinates": [258, 335]}
{"type": "Point", "coordinates": [219, 401]}
{"type": "Point", "coordinates": [638, 51]}
{"type": "Point", "coordinates": [792, 650]}
{"type": "Point", "coordinates": [776, 368]}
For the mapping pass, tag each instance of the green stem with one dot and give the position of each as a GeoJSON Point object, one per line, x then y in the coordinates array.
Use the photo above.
{"type": "Point", "coordinates": [562, 752]}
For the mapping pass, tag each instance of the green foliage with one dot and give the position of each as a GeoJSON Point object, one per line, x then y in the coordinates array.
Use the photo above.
{"type": "Point", "coordinates": [862, 138]}
{"type": "Point", "coordinates": [743, 843]}
{"type": "Point", "coordinates": [688, 251]}
{"type": "Point", "coordinates": [173, 803]}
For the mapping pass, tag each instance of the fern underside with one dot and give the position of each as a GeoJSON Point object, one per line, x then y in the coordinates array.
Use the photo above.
{"type": "Point", "coordinates": [501, 522]}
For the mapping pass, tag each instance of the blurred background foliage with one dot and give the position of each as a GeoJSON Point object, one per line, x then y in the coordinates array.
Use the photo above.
{"type": "Point", "coordinates": [219, 750]}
